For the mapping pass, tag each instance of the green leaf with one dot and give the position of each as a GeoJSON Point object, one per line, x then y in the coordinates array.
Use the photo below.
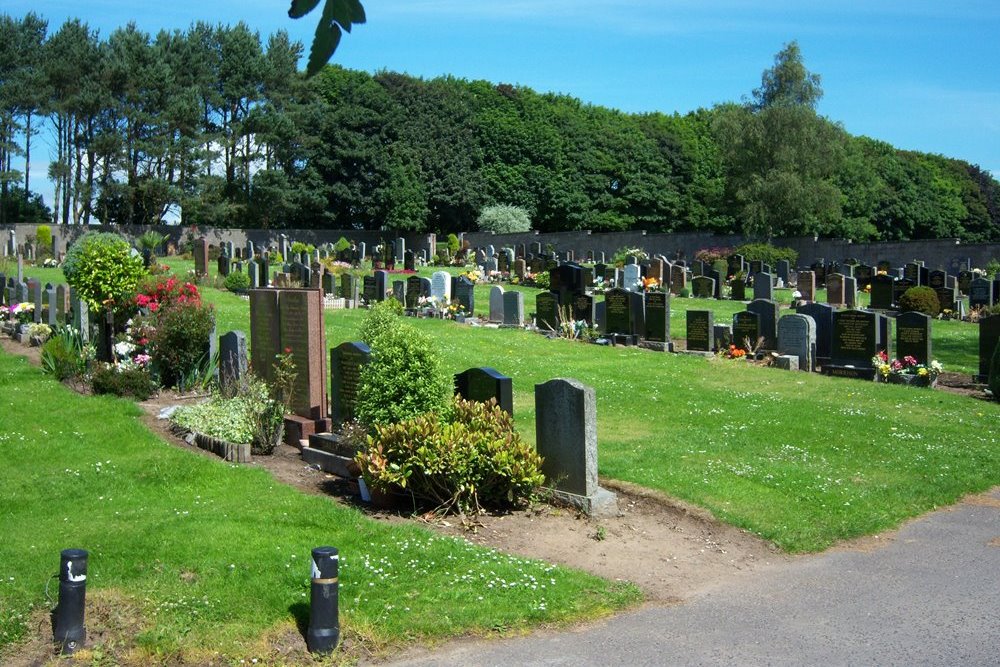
{"type": "Point", "coordinates": [325, 42]}
{"type": "Point", "coordinates": [300, 8]}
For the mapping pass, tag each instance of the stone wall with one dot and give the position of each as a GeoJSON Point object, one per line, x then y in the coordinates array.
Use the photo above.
{"type": "Point", "coordinates": [948, 254]}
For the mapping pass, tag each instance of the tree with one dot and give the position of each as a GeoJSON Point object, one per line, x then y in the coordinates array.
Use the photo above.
{"type": "Point", "coordinates": [781, 157]}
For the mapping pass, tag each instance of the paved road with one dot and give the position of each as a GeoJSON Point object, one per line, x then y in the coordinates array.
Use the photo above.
{"type": "Point", "coordinates": [931, 597]}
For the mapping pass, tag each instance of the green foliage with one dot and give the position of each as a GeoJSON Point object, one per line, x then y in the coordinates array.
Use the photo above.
{"type": "Point", "coordinates": [994, 379]}
{"type": "Point", "coordinates": [453, 244]}
{"type": "Point", "coordinates": [622, 254]}
{"type": "Point", "coordinates": [128, 382]}
{"type": "Point", "coordinates": [237, 281]}
{"type": "Point", "coordinates": [542, 280]}
{"type": "Point", "coordinates": [181, 340]}
{"type": "Point", "coordinates": [341, 245]}
{"type": "Point", "coordinates": [474, 459]}
{"type": "Point", "coordinates": [504, 219]}
{"type": "Point", "coordinates": [43, 235]}
{"type": "Point", "coordinates": [64, 355]}
{"type": "Point", "coordinates": [150, 240]}
{"type": "Point", "coordinates": [298, 247]}
{"type": "Point", "coordinates": [103, 270]}
{"type": "Point", "coordinates": [383, 316]}
{"type": "Point", "coordinates": [404, 378]}
{"type": "Point", "coordinates": [767, 253]}
{"type": "Point", "coordinates": [920, 299]}
{"type": "Point", "coordinates": [993, 267]}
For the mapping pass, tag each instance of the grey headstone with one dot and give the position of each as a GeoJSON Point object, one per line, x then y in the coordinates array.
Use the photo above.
{"type": "Point", "coordinates": [797, 337]}
{"type": "Point", "coordinates": [513, 309]}
{"type": "Point", "coordinates": [496, 303]}
{"type": "Point", "coordinates": [233, 357]}
{"type": "Point", "coordinates": [566, 438]}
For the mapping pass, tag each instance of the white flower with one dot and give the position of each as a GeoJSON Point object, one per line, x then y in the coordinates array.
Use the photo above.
{"type": "Point", "coordinates": [124, 348]}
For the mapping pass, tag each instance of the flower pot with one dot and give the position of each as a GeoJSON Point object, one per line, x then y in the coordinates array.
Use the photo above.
{"type": "Point", "coordinates": [910, 380]}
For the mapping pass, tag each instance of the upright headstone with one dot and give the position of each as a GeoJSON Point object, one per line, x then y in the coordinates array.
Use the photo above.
{"type": "Point", "coordinates": [414, 289]}
{"type": "Point", "coordinates": [80, 316]}
{"type": "Point", "coordinates": [513, 309]}
{"type": "Point", "coordinates": [618, 312]}
{"type": "Point", "coordinates": [35, 296]}
{"type": "Point", "coordinates": [51, 314]}
{"type": "Point", "coordinates": [703, 287]}
{"type": "Point", "coordinates": [981, 293]}
{"type": "Point", "coordinates": [547, 311]}
{"type": "Point", "coordinates": [913, 336]}
{"type": "Point", "coordinates": [201, 257]}
{"type": "Point", "coordinates": [346, 361]}
{"type": "Point", "coordinates": [746, 330]}
{"type": "Point", "coordinates": [658, 318]}
{"type": "Point", "coordinates": [62, 303]}
{"type": "Point", "coordinates": [233, 361]}
{"type": "Point", "coordinates": [822, 316]}
{"type": "Point", "coordinates": [883, 291]}
{"type": "Point", "coordinates": [768, 312]}
{"type": "Point", "coordinates": [465, 295]}
{"type": "Point", "coordinates": [797, 337]}
{"type": "Point", "coordinates": [700, 330]}
{"type": "Point", "coordinates": [678, 279]}
{"type": "Point", "coordinates": [382, 285]}
{"type": "Point", "coordinates": [763, 286]}
{"type": "Point", "coordinates": [630, 277]}
{"type": "Point", "coordinates": [566, 439]}
{"type": "Point", "coordinates": [582, 306]}
{"type": "Point", "coordinates": [783, 269]}
{"type": "Point", "coordinates": [855, 342]}
{"type": "Point", "coordinates": [989, 338]}
{"type": "Point", "coordinates": [835, 289]}
{"type": "Point", "coordinates": [850, 292]}
{"type": "Point", "coordinates": [807, 285]}
{"type": "Point", "coordinates": [441, 287]}
{"type": "Point", "coordinates": [485, 384]}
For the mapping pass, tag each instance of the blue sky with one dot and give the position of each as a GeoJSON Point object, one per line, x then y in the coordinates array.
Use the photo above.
{"type": "Point", "coordinates": [920, 74]}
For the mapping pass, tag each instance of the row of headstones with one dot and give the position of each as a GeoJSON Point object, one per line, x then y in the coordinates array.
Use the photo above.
{"type": "Point", "coordinates": [27, 250]}
{"type": "Point", "coordinates": [53, 305]}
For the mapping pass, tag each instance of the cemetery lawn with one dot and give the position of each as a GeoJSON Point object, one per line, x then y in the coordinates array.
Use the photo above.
{"type": "Point", "coordinates": [200, 558]}
{"type": "Point", "coordinates": [799, 459]}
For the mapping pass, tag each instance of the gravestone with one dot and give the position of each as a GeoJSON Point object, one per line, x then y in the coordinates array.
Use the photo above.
{"type": "Point", "coordinates": [441, 287]}
{"type": "Point", "coordinates": [233, 361]}
{"type": "Point", "coordinates": [738, 289]}
{"type": "Point", "coordinates": [520, 268]}
{"type": "Point", "coordinates": [763, 286]}
{"type": "Point", "coordinates": [346, 361]}
{"type": "Point", "coordinates": [290, 321]}
{"type": "Point", "coordinates": [883, 291]}
{"type": "Point", "coordinates": [783, 269]}
{"type": "Point", "coordinates": [582, 306]}
{"type": "Point", "coordinates": [899, 289]}
{"type": "Point", "coordinates": [700, 330]}
{"type": "Point", "coordinates": [947, 297]}
{"type": "Point", "coordinates": [496, 304]}
{"type": "Point", "coordinates": [513, 309]}
{"type": "Point", "coordinates": [223, 264]}
{"type": "Point", "coordinates": [51, 317]}
{"type": "Point", "coordinates": [678, 279]}
{"type": "Point", "coordinates": [703, 287]}
{"type": "Point", "coordinates": [80, 316]}
{"type": "Point", "coordinates": [414, 290]}
{"type": "Point", "coordinates": [329, 284]}
{"type": "Point", "coordinates": [658, 318]}
{"type": "Point", "coordinates": [399, 292]}
{"type": "Point", "coordinates": [349, 288]}
{"type": "Point", "coordinates": [768, 312]}
{"type": "Point", "coordinates": [981, 293]}
{"type": "Point", "coordinates": [485, 384]}
{"type": "Point", "coordinates": [989, 337]}
{"type": "Point", "coordinates": [863, 274]}
{"type": "Point", "coordinates": [618, 312]}
{"type": "Point", "coordinates": [62, 302]}
{"type": "Point", "coordinates": [717, 277]}
{"type": "Point", "coordinates": [734, 264]}
{"type": "Point", "coordinates": [807, 285]}
{"type": "Point", "coordinates": [723, 334]}
{"type": "Point", "coordinates": [566, 439]}
{"type": "Point", "coordinates": [913, 336]}
{"type": "Point", "coordinates": [746, 329]}
{"type": "Point", "coordinates": [201, 257]}
{"type": "Point", "coordinates": [35, 296]}
{"type": "Point", "coordinates": [850, 292]}
{"type": "Point", "coordinates": [797, 337]}
{"type": "Point", "coordinates": [937, 280]}
{"type": "Point", "coordinates": [369, 290]}
{"type": "Point", "coordinates": [400, 248]}
{"type": "Point", "coordinates": [855, 342]}
{"type": "Point", "coordinates": [465, 295]}
{"type": "Point", "coordinates": [382, 285]}
{"type": "Point", "coordinates": [835, 289]}
{"type": "Point", "coordinates": [630, 277]}
{"type": "Point", "coordinates": [965, 281]}
{"type": "Point", "coordinates": [822, 316]}
{"type": "Point", "coordinates": [911, 272]}
{"type": "Point", "coordinates": [547, 311]}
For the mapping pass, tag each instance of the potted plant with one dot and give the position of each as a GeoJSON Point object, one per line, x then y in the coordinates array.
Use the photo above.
{"type": "Point", "coordinates": [906, 371]}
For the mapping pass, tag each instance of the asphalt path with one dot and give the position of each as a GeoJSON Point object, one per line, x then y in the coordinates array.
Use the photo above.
{"type": "Point", "coordinates": [929, 596]}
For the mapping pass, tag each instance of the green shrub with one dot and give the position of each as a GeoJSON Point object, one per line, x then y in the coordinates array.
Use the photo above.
{"type": "Point", "coordinates": [766, 253]}
{"type": "Point", "coordinates": [994, 379]}
{"type": "Point", "coordinates": [237, 281]}
{"type": "Point", "coordinates": [236, 419]}
{"type": "Point", "coordinates": [993, 267]}
{"type": "Point", "coordinates": [503, 219]}
{"type": "Point", "coordinates": [43, 236]}
{"type": "Point", "coordinates": [181, 340]}
{"type": "Point", "coordinates": [542, 280]}
{"type": "Point", "coordinates": [622, 254]}
{"type": "Point", "coordinates": [453, 244]}
{"type": "Point", "coordinates": [298, 247]}
{"type": "Point", "coordinates": [404, 378]}
{"type": "Point", "coordinates": [341, 245]}
{"type": "Point", "coordinates": [381, 317]}
{"type": "Point", "coordinates": [64, 355]}
{"type": "Point", "coordinates": [127, 382]}
{"type": "Point", "coordinates": [920, 299]}
{"type": "Point", "coordinates": [475, 459]}
{"type": "Point", "coordinates": [103, 270]}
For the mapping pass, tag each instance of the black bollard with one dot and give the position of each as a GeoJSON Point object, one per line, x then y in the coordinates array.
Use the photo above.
{"type": "Point", "coordinates": [324, 616]}
{"type": "Point", "coordinates": [69, 630]}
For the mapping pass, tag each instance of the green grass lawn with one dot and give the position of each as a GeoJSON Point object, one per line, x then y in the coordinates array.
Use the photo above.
{"type": "Point", "coordinates": [213, 557]}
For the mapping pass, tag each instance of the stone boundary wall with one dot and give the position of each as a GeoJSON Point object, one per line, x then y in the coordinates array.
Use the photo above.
{"type": "Point", "coordinates": [948, 254]}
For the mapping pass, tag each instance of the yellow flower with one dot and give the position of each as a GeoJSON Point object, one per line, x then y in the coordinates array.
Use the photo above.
{"type": "Point", "coordinates": [921, 372]}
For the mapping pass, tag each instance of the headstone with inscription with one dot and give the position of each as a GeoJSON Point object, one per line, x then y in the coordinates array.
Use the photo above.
{"type": "Point", "coordinates": [657, 318]}
{"type": "Point", "coordinates": [768, 312]}
{"type": "Point", "coordinates": [746, 329]}
{"type": "Point", "coordinates": [913, 336]}
{"type": "Point", "coordinates": [700, 330]}
{"type": "Point", "coordinates": [835, 289]}
{"type": "Point", "coordinates": [547, 311]}
{"type": "Point", "coordinates": [797, 337]}
{"type": "Point", "coordinates": [618, 312]}
{"type": "Point", "coordinates": [485, 384]}
{"type": "Point", "coordinates": [883, 290]}
{"type": "Point", "coordinates": [807, 285]}
{"type": "Point", "coordinates": [346, 361]}
{"type": "Point", "coordinates": [822, 316]}
{"type": "Point", "coordinates": [855, 342]}
{"type": "Point", "coordinates": [513, 309]}
{"type": "Point", "coordinates": [989, 338]}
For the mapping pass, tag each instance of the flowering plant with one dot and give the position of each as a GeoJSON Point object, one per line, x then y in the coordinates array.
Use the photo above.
{"type": "Point", "coordinates": [22, 313]}
{"type": "Point", "coordinates": [735, 352]}
{"type": "Point", "coordinates": [649, 284]}
{"type": "Point", "coordinates": [164, 292]}
{"type": "Point", "coordinates": [50, 263]}
{"type": "Point", "coordinates": [908, 365]}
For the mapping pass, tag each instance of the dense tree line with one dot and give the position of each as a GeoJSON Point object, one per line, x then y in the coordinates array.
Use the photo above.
{"type": "Point", "coordinates": [216, 127]}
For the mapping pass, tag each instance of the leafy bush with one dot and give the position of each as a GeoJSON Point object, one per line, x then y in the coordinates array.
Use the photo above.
{"type": "Point", "coordinates": [298, 247]}
{"type": "Point", "coordinates": [64, 355]}
{"type": "Point", "coordinates": [237, 281]}
{"type": "Point", "coordinates": [622, 254]}
{"type": "Point", "coordinates": [381, 317]}
{"type": "Point", "coordinates": [43, 235]}
{"type": "Point", "coordinates": [474, 459]}
{"type": "Point", "coordinates": [404, 377]}
{"type": "Point", "coordinates": [994, 379]}
{"type": "Point", "coordinates": [920, 299]}
{"type": "Point", "coordinates": [128, 382]}
{"type": "Point", "coordinates": [713, 254]}
{"type": "Point", "coordinates": [993, 267]}
{"type": "Point", "coordinates": [453, 244]}
{"type": "Point", "coordinates": [181, 340]}
{"type": "Point", "coordinates": [503, 219]}
{"type": "Point", "coordinates": [150, 240]}
{"type": "Point", "coordinates": [341, 245]}
{"type": "Point", "coordinates": [767, 253]}
{"type": "Point", "coordinates": [103, 270]}
{"type": "Point", "coordinates": [542, 280]}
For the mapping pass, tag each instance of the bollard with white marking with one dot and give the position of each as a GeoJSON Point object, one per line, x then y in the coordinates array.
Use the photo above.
{"type": "Point", "coordinates": [324, 621]}
{"type": "Point", "coordinates": [68, 628]}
